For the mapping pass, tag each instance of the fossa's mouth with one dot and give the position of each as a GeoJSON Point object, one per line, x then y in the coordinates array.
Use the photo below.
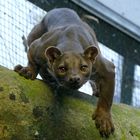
{"type": "Point", "coordinates": [74, 86]}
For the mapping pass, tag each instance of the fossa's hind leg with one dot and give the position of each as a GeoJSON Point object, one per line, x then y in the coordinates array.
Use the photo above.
{"type": "Point", "coordinates": [36, 32]}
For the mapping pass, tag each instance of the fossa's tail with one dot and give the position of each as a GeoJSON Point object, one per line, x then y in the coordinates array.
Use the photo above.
{"type": "Point", "coordinates": [25, 44]}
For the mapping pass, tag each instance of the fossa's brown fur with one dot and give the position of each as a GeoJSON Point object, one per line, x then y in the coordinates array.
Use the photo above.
{"type": "Point", "coordinates": [65, 47]}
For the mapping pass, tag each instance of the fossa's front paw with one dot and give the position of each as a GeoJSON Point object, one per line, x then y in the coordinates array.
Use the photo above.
{"type": "Point", "coordinates": [103, 122]}
{"type": "Point", "coordinates": [25, 72]}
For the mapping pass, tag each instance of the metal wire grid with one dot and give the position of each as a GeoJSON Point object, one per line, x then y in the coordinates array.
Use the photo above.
{"type": "Point", "coordinates": [16, 19]}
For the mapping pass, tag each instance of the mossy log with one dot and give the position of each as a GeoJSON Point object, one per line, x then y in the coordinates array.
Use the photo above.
{"type": "Point", "coordinates": [29, 110]}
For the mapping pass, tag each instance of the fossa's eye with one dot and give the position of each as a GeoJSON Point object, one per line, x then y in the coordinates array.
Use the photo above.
{"type": "Point", "coordinates": [84, 68]}
{"type": "Point", "coordinates": [62, 69]}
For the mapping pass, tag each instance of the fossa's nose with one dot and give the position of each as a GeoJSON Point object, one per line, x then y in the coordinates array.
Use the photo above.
{"type": "Point", "coordinates": [74, 79]}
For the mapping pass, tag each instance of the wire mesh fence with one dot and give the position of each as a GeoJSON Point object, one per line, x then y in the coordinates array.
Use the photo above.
{"type": "Point", "coordinates": [17, 19]}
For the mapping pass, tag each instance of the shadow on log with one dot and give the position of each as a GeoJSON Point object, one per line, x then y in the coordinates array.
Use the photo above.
{"type": "Point", "coordinates": [29, 110]}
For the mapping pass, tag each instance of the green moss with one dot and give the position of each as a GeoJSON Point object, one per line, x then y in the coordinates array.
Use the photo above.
{"type": "Point", "coordinates": [36, 113]}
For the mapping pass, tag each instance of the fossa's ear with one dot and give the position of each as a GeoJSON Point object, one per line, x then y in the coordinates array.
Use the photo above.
{"type": "Point", "coordinates": [51, 53]}
{"type": "Point", "coordinates": [91, 53]}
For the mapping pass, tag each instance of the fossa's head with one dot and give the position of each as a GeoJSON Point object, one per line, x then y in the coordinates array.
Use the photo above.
{"type": "Point", "coordinates": [70, 69]}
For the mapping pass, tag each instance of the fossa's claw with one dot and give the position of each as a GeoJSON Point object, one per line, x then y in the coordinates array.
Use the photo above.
{"type": "Point", "coordinates": [103, 123]}
{"type": "Point", "coordinates": [24, 71]}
